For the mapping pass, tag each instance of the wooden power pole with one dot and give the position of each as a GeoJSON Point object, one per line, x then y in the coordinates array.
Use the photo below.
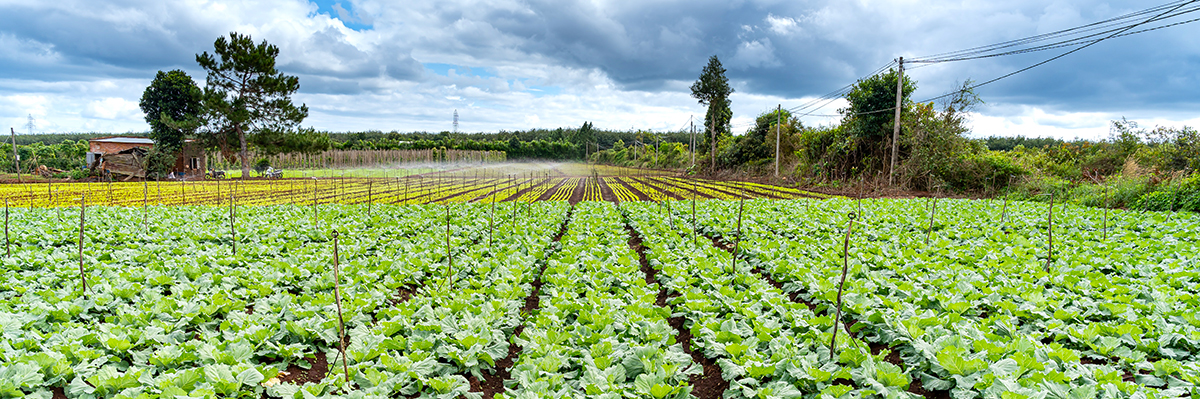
{"type": "Point", "coordinates": [16, 157]}
{"type": "Point", "coordinates": [778, 117]}
{"type": "Point", "coordinates": [712, 129]}
{"type": "Point", "coordinates": [896, 124]}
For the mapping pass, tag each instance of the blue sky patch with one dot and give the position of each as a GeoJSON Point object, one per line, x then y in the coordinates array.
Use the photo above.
{"type": "Point", "coordinates": [342, 10]}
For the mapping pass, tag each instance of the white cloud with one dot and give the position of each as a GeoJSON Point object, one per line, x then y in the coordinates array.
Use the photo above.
{"type": "Point", "coordinates": [113, 108]}
{"type": "Point", "coordinates": [781, 25]}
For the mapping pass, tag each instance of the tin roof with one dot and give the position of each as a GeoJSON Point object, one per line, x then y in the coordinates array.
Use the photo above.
{"type": "Point", "coordinates": [123, 140]}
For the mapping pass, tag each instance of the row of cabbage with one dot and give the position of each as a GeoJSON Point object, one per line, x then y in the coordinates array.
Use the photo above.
{"type": "Point", "coordinates": [170, 310]}
{"type": "Point", "coordinates": [766, 345]}
{"type": "Point", "coordinates": [975, 311]}
{"type": "Point", "coordinates": [597, 331]}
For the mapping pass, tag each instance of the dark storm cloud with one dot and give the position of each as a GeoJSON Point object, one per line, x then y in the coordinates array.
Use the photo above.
{"type": "Point", "coordinates": [796, 49]}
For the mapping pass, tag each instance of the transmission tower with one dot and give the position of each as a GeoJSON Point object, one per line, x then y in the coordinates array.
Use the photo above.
{"type": "Point", "coordinates": [456, 121]}
{"type": "Point", "coordinates": [29, 125]}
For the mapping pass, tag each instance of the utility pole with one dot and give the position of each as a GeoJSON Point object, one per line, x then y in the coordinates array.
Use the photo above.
{"type": "Point", "coordinates": [693, 146]}
{"type": "Point", "coordinates": [16, 157]}
{"type": "Point", "coordinates": [712, 129]}
{"type": "Point", "coordinates": [778, 117]}
{"type": "Point", "coordinates": [896, 124]}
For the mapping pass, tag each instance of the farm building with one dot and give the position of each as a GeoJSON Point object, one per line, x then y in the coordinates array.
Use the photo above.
{"type": "Point", "coordinates": [123, 155]}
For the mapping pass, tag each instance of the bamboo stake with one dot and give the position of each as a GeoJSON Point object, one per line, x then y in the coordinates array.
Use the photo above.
{"type": "Point", "coordinates": [145, 199]}
{"type": "Point", "coordinates": [449, 257]}
{"type": "Point", "coordinates": [337, 293]}
{"type": "Point", "coordinates": [82, 276]}
{"type": "Point", "coordinates": [837, 319]}
{"type": "Point", "coordinates": [1106, 206]}
{"type": "Point", "coordinates": [1050, 234]}
{"type": "Point", "coordinates": [232, 232]}
{"type": "Point", "coordinates": [492, 216]}
{"type": "Point", "coordinates": [694, 227]}
{"type": "Point", "coordinates": [932, 213]}
{"type": "Point", "coordinates": [738, 241]}
{"type": "Point", "coordinates": [7, 243]}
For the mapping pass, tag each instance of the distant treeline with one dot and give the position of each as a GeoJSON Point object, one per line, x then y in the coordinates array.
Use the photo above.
{"type": "Point", "coordinates": [57, 138]}
{"type": "Point", "coordinates": [561, 143]}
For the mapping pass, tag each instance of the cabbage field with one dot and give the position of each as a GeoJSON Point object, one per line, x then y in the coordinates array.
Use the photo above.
{"type": "Point", "coordinates": [620, 299]}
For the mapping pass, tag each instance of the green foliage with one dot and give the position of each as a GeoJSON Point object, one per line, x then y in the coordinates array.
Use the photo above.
{"type": "Point", "coordinates": [172, 104]}
{"type": "Point", "coordinates": [67, 155]}
{"type": "Point", "coordinates": [245, 94]}
{"type": "Point", "coordinates": [1005, 143]}
{"type": "Point", "coordinates": [303, 141]}
{"type": "Point", "coordinates": [712, 89]}
{"type": "Point", "coordinates": [869, 122]}
{"type": "Point", "coordinates": [160, 160]}
{"type": "Point", "coordinates": [757, 146]}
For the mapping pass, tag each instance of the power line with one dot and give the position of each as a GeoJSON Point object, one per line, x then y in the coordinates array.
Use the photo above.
{"type": "Point", "coordinates": [1115, 23]}
{"type": "Point", "coordinates": [1155, 18]}
{"type": "Point", "coordinates": [1064, 43]}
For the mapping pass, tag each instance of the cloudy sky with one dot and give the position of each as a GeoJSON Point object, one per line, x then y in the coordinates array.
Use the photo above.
{"type": "Point", "coordinates": [81, 65]}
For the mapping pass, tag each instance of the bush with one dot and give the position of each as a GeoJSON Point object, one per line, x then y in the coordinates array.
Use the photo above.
{"type": "Point", "coordinates": [261, 165]}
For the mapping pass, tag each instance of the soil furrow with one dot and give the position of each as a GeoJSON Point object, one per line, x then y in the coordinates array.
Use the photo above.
{"type": "Point", "coordinates": [709, 384]}
{"type": "Point", "coordinates": [493, 382]}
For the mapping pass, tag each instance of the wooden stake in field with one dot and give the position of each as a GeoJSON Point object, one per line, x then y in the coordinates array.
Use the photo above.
{"type": "Point", "coordinates": [694, 228]}
{"type": "Point", "coordinates": [932, 213]}
{"type": "Point", "coordinates": [369, 199]}
{"type": "Point", "coordinates": [1106, 206]}
{"type": "Point", "coordinates": [449, 257]}
{"type": "Point", "coordinates": [7, 243]}
{"type": "Point", "coordinates": [314, 204]}
{"type": "Point", "coordinates": [232, 232]}
{"type": "Point", "coordinates": [492, 216]}
{"type": "Point", "coordinates": [82, 276]}
{"type": "Point", "coordinates": [337, 298]}
{"type": "Point", "coordinates": [145, 199]}
{"type": "Point", "coordinates": [1050, 234]}
{"type": "Point", "coordinates": [837, 318]}
{"type": "Point", "coordinates": [738, 241]}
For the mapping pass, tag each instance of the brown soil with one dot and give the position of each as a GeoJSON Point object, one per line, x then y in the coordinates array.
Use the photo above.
{"type": "Point", "coordinates": [669, 193]}
{"type": "Point", "coordinates": [577, 195]}
{"type": "Point", "coordinates": [499, 186]}
{"type": "Point", "coordinates": [637, 193]}
{"type": "Point", "coordinates": [688, 189]}
{"type": "Point", "coordinates": [518, 194]}
{"type": "Point", "coordinates": [606, 192]}
{"type": "Point", "coordinates": [493, 382]}
{"type": "Point", "coordinates": [404, 293]}
{"type": "Point", "coordinates": [550, 193]}
{"type": "Point", "coordinates": [709, 384]}
{"type": "Point", "coordinates": [299, 376]}
{"type": "Point", "coordinates": [58, 393]}
{"type": "Point", "coordinates": [758, 191]}
{"type": "Point", "coordinates": [916, 388]}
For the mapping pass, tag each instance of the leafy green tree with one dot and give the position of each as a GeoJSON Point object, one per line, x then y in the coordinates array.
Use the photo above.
{"type": "Point", "coordinates": [173, 105]}
{"type": "Point", "coordinates": [757, 146]}
{"type": "Point", "coordinates": [246, 95]}
{"type": "Point", "coordinates": [712, 89]}
{"type": "Point", "coordinates": [870, 117]}
{"type": "Point", "coordinates": [171, 97]}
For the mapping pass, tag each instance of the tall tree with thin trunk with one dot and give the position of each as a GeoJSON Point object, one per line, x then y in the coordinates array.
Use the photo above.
{"type": "Point", "coordinates": [246, 95]}
{"type": "Point", "coordinates": [712, 89]}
